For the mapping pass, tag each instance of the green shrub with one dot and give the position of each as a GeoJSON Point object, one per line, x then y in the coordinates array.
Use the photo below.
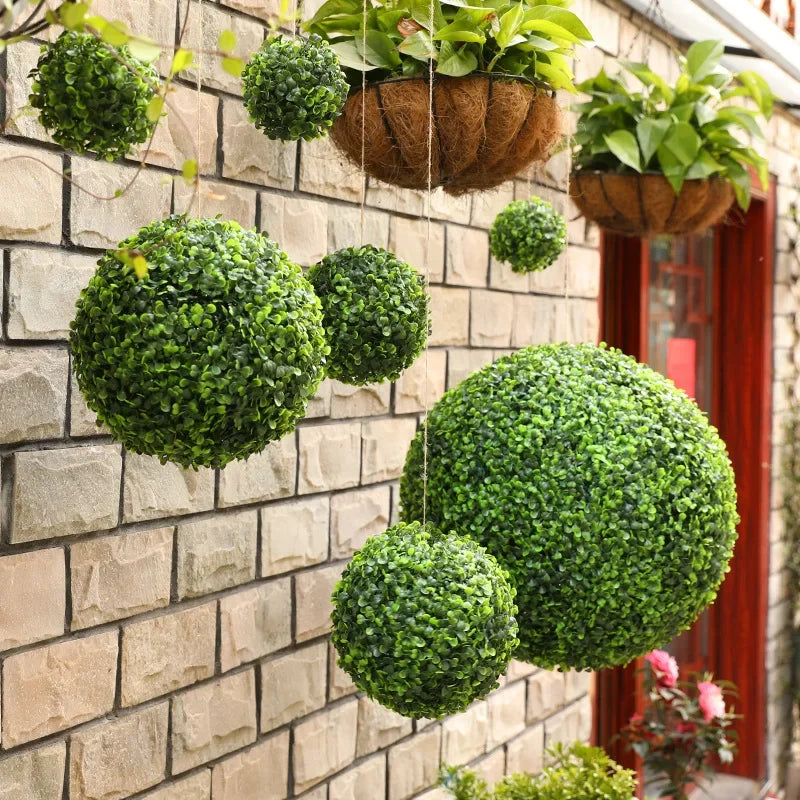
{"type": "Point", "coordinates": [598, 485]}
{"type": "Point", "coordinates": [528, 234]}
{"type": "Point", "coordinates": [376, 313]}
{"type": "Point", "coordinates": [92, 97]}
{"type": "Point", "coordinates": [424, 622]}
{"type": "Point", "coordinates": [208, 357]}
{"type": "Point", "coordinates": [294, 88]}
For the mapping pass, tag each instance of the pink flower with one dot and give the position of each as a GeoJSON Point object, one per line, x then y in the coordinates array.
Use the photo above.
{"type": "Point", "coordinates": [711, 701]}
{"type": "Point", "coordinates": [665, 666]}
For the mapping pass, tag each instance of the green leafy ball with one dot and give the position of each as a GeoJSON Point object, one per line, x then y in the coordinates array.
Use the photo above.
{"type": "Point", "coordinates": [376, 313]}
{"type": "Point", "coordinates": [423, 621]}
{"type": "Point", "coordinates": [208, 357]}
{"type": "Point", "coordinates": [598, 485]}
{"type": "Point", "coordinates": [294, 88]}
{"type": "Point", "coordinates": [528, 234]}
{"type": "Point", "coordinates": [91, 97]}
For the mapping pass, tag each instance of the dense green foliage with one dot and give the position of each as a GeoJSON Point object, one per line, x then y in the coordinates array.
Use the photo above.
{"type": "Point", "coordinates": [294, 88]}
{"type": "Point", "coordinates": [601, 488]}
{"type": "Point", "coordinates": [423, 621]}
{"type": "Point", "coordinates": [527, 39]}
{"type": "Point", "coordinates": [685, 131]}
{"type": "Point", "coordinates": [210, 355]}
{"type": "Point", "coordinates": [376, 313]}
{"type": "Point", "coordinates": [580, 771]}
{"type": "Point", "coordinates": [93, 97]}
{"type": "Point", "coordinates": [528, 234]}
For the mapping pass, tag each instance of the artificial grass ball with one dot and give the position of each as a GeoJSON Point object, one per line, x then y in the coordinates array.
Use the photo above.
{"type": "Point", "coordinates": [528, 234]}
{"type": "Point", "coordinates": [294, 88]}
{"type": "Point", "coordinates": [423, 621]}
{"type": "Point", "coordinates": [208, 357]}
{"type": "Point", "coordinates": [600, 487]}
{"type": "Point", "coordinates": [376, 312]}
{"type": "Point", "coordinates": [93, 98]}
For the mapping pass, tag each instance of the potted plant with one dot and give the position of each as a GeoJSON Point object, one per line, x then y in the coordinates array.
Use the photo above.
{"type": "Point", "coordinates": [668, 159]}
{"type": "Point", "coordinates": [494, 66]}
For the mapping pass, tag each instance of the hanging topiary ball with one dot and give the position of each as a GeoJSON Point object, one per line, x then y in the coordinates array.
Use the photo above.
{"type": "Point", "coordinates": [294, 88]}
{"type": "Point", "coordinates": [598, 485]}
{"type": "Point", "coordinates": [423, 621]}
{"type": "Point", "coordinates": [210, 355]}
{"type": "Point", "coordinates": [528, 234]}
{"type": "Point", "coordinates": [376, 313]}
{"type": "Point", "coordinates": [93, 98]}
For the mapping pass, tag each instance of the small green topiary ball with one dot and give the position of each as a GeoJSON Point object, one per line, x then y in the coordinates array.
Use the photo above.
{"type": "Point", "coordinates": [528, 234]}
{"type": "Point", "coordinates": [376, 313]}
{"type": "Point", "coordinates": [207, 358]}
{"type": "Point", "coordinates": [423, 621]}
{"type": "Point", "coordinates": [294, 88]}
{"type": "Point", "coordinates": [598, 485]}
{"type": "Point", "coordinates": [88, 100]}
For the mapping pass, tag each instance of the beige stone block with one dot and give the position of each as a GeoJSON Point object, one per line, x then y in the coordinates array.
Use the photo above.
{"type": "Point", "coordinates": [313, 589]}
{"type": "Point", "coordinates": [545, 695]}
{"type": "Point", "coordinates": [506, 714]}
{"type": "Point", "coordinates": [250, 156]}
{"type": "Point", "coordinates": [488, 204]}
{"type": "Point", "coordinates": [155, 490]}
{"type": "Point", "coordinates": [378, 727]}
{"type": "Point", "coordinates": [340, 684]}
{"type": "Point", "coordinates": [359, 401]}
{"type": "Point", "coordinates": [212, 720]}
{"type": "Point", "coordinates": [422, 384]}
{"type": "Point", "coordinates": [462, 363]}
{"type": "Point", "coordinates": [324, 170]}
{"type": "Point", "coordinates": [169, 652]}
{"type": "Point", "coordinates": [365, 781]}
{"type": "Point", "coordinates": [324, 744]}
{"type": "Point", "coordinates": [502, 276]}
{"type": "Point", "coordinates": [119, 576]}
{"type": "Point", "coordinates": [43, 286]}
{"type": "Point", "coordinates": [464, 735]}
{"type": "Point", "coordinates": [344, 227]}
{"type": "Point", "coordinates": [572, 724]}
{"type": "Point", "coordinates": [320, 793]}
{"type": "Point", "coordinates": [550, 280]}
{"type": "Point", "coordinates": [526, 752]}
{"type": "Point", "coordinates": [58, 686]}
{"type": "Point", "coordinates": [255, 622]}
{"type": "Point", "coordinates": [106, 222]}
{"type": "Point", "coordinates": [213, 198]}
{"type": "Point", "coordinates": [260, 773]}
{"type": "Point", "coordinates": [195, 787]}
{"type": "Point", "coordinates": [576, 321]}
{"type": "Point", "coordinates": [492, 767]}
{"type": "Point", "coordinates": [82, 420]}
{"type": "Point", "coordinates": [409, 240]}
{"type": "Point", "coordinates": [294, 535]}
{"type": "Point", "coordinates": [32, 597]}
{"type": "Point", "coordinates": [437, 793]}
{"type": "Point", "coordinates": [386, 442]}
{"type": "Point", "coordinates": [299, 225]}
{"type": "Point", "coordinates": [30, 205]}
{"type": "Point", "coordinates": [264, 476]}
{"type": "Point", "coordinates": [449, 207]}
{"type": "Point", "coordinates": [532, 320]}
{"type": "Point", "coordinates": [65, 492]}
{"type": "Point", "coordinates": [449, 316]}
{"type": "Point", "coordinates": [467, 256]}
{"type": "Point", "coordinates": [577, 684]}
{"type": "Point", "coordinates": [519, 669]}
{"type": "Point", "coordinates": [414, 765]}
{"type": "Point", "coordinates": [34, 774]}
{"type": "Point", "coordinates": [492, 316]}
{"type": "Point", "coordinates": [22, 119]}
{"type": "Point", "coordinates": [330, 457]}
{"type": "Point", "coordinates": [115, 759]}
{"type": "Point", "coordinates": [320, 404]}
{"type": "Point", "coordinates": [355, 516]}
{"type": "Point", "coordinates": [293, 685]}
{"type": "Point", "coordinates": [583, 271]}
{"type": "Point", "coordinates": [217, 553]}
{"type": "Point", "coordinates": [385, 196]}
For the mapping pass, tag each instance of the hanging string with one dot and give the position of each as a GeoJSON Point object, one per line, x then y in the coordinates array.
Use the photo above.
{"type": "Point", "coordinates": [363, 119]}
{"type": "Point", "coordinates": [198, 189]}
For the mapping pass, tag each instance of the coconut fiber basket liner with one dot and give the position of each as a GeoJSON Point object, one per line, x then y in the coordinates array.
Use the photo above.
{"type": "Point", "coordinates": [646, 205]}
{"type": "Point", "coordinates": [486, 130]}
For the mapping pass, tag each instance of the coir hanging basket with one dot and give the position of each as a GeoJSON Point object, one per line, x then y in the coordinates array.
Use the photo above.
{"type": "Point", "coordinates": [646, 205]}
{"type": "Point", "coordinates": [486, 130]}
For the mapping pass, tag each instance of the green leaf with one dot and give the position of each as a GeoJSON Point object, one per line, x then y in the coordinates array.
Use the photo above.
{"type": "Point", "coordinates": [144, 49]}
{"type": "Point", "coordinates": [649, 78]}
{"type": "Point", "coordinates": [421, 13]}
{"type": "Point", "coordinates": [183, 59]}
{"type": "Point", "coordinates": [702, 58]}
{"type": "Point", "coordinates": [624, 146]}
{"type": "Point", "coordinates": [683, 142]}
{"type": "Point", "coordinates": [561, 17]}
{"type": "Point", "coordinates": [419, 45]}
{"type": "Point", "coordinates": [72, 15]}
{"type": "Point", "coordinates": [456, 62]}
{"type": "Point", "coordinates": [674, 171]}
{"type": "Point", "coordinates": [651, 133]}
{"type": "Point", "coordinates": [740, 179]}
{"type": "Point", "coordinates": [227, 41]}
{"type": "Point", "coordinates": [555, 76]}
{"type": "Point", "coordinates": [154, 108]}
{"type": "Point", "coordinates": [350, 57]}
{"type": "Point", "coordinates": [459, 32]}
{"type": "Point", "coordinates": [509, 25]}
{"type": "Point", "coordinates": [704, 165]}
{"type": "Point", "coordinates": [334, 8]}
{"type": "Point", "coordinates": [140, 266]}
{"type": "Point", "coordinates": [189, 170]}
{"type": "Point", "coordinates": [380, 51]}
{"type": "Point", "coordinates": [550, 29]}
{"type": "Point", "coordinates": [233, 66]}
{"type": "Point", "coordinates": [759, 90]}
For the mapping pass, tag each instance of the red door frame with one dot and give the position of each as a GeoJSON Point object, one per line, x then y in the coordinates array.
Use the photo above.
{"type": "Point", "coordinates": [743, 375]}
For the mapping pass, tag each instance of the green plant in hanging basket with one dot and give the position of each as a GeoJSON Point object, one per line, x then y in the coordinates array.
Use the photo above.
{"type": "Point", "coordinates": [598, 485]}
{"type": "Point", "coordinates": [423, 621]}
{"type": "Point", "coordinates": [528, 234]}
{"type": "Point", "coordinates": [376, 313]}
{"type": "Point", "coordinates": [294, 88]}
{"type": "Point", "coordinates": [210, 355]}
{"type": "Point", "coordinates": [92, 97]}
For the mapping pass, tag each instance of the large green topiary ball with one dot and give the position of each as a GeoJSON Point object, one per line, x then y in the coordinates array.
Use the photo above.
{"type": "Point", "coordinates": [376, 313]}
{"type": "Point", "coordinates": [528, 234]}
{"type": "Point", "coordinates": [294, 88]}
{"type": "Point", "coordinates": [91, 97]}
{"type": "Point", "coordinates": [209, 356]}
{"type": "Point", "coordinates": [423, 621]}
{"type": "Point", "coordinates": [598, 485]}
